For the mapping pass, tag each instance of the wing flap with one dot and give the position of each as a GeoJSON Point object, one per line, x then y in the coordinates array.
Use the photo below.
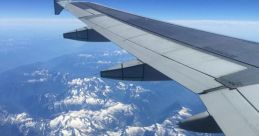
{"type": "Point", "coordinates": [232, 112]}
{"type": "Point", "coordinates": [251, 93]}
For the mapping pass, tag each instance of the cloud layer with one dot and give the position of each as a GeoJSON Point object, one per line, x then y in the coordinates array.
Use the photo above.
{"type": "Point", "coordinates": [241, 29]}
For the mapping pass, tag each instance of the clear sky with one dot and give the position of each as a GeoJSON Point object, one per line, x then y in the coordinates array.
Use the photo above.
{"type": "Point", "coordinates": [165, 9]}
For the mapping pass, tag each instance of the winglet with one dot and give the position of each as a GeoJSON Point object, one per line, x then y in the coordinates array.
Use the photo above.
{"type": "Point", "coordinates": [58, 8]}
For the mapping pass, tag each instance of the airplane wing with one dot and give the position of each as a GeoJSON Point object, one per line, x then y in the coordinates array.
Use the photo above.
{"type": "Point", "coordinates": [223, 71]}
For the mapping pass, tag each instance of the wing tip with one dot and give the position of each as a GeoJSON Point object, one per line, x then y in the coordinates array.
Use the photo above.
{"type": "Point", "coordinates": [57, 8]}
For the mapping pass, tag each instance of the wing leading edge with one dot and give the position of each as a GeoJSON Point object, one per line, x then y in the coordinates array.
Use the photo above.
{"type": "Point", "coordinates": [220, 69]}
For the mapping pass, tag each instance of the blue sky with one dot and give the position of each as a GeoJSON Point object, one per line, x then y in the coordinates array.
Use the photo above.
{"type": "Point", "coordinates": [237, 18]}
{"type": "Point", "coordinates": [162, 9]}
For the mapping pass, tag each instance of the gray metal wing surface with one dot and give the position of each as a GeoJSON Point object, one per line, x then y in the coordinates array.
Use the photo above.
{"type": "Point", "coordinates": [222, 70]}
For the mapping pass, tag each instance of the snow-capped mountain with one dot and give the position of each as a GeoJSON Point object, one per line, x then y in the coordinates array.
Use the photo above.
{"type": "Point", "coordinates": [62, 97]}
